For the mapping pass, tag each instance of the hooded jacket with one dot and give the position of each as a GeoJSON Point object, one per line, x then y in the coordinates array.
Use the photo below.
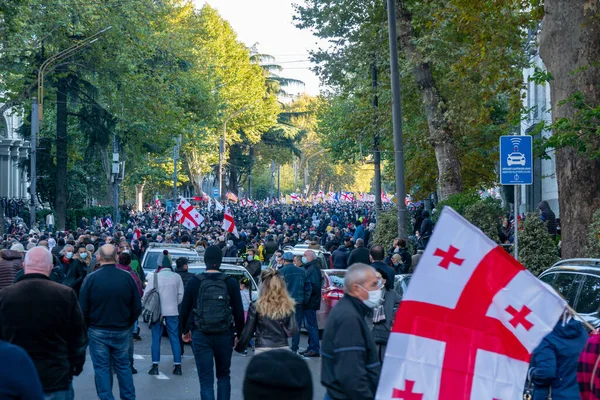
{"type": "Point", "coordinates": [554, 362]}
{"type": "Point", "coordinates": [340, 258]}
{"type": "Point", "coordinates": [10, 264]}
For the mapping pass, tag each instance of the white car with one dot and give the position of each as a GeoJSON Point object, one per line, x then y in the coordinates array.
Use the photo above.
{"type": "Point", "coordinates": [516, 159]}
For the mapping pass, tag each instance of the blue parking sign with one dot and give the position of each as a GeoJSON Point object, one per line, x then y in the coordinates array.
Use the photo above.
{"type": "Point", "coordinates": [215, 192]}
{"type": "Point", "coordinates": [516, 160]}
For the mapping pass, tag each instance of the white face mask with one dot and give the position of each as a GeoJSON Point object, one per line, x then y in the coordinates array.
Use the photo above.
{"type": "Point", "coordinates": [374, 297]}
{"type": "Point", "coordinates": [69, 254]}
{"type": "Point", "coordinates": [250, 258]}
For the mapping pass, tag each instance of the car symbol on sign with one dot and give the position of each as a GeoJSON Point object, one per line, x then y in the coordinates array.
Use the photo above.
{"type": "Point", "coordinates": [516, 159]}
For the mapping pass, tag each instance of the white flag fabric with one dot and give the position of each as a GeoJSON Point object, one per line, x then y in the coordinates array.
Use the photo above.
{"type": "Point", "coordinates": [229, 223]}
{"type": "Point", "coordinates": [469, 321]}
{"type": "Point", "coordinates": [187, 215]}
{"type": "Point", "coordinates": [218, 206]}
{"type": "Point", "coordinates": [209, 203]}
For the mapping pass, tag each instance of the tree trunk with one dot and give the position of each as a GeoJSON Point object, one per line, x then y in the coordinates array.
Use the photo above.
{"type": "Point", "coordinates": [62, 158]}
{"type": "Point", "coordinates": [139, 197]}
{"type": "Point", "coordinates": [569, 45]}
{"type": "Point", "coordinates": [440, 129]}
{"type": "Point", "coordinates": [250, 171]}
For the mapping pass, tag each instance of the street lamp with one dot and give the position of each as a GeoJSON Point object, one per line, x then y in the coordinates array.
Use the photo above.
{"type": "Point", "coordinates": [222, 148]}
{"type": "Point", "coordinates": [37, 114]}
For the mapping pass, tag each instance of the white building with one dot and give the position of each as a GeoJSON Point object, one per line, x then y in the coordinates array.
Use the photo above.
{"type": "Point", "coordinates": [14, 152]}
{"type": "Point", "coordinates": [537, 102]}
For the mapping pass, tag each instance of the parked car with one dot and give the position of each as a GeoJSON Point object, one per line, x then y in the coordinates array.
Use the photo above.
{"type": "Point", "coordinates": [323, 258]}
{"type": "Point", "coordinates": [331, 292]}
{"type": "Point", "coordinates": [154, 254]}
{"type": "Point", "coordinates": [235, 271]}
{"type": "Point", "coordinates": [578, 281]}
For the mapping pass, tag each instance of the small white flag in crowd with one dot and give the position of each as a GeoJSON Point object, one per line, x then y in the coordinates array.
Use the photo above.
{"type": "Point", "coordinates": [229, 223]}
{"type": "Point", "coordinates": [218, 206]}
{"type": "Point", "coordinates": [187, 215]}
{"type": "Point", "coordinates": [469, 321]}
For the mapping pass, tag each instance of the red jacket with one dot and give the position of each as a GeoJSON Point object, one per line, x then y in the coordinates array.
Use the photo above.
{"type": "Point", "coordinates": [590, 356]}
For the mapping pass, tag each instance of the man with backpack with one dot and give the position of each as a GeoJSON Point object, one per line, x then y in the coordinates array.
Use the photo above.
{"type": "Point", "coordinates": [213, 303]}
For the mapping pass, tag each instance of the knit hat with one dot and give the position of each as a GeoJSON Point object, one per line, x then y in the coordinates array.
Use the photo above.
{"type": "Point", "coordinates": [276, 375]}
{"type": "Point", "coordinates": [213, 256]}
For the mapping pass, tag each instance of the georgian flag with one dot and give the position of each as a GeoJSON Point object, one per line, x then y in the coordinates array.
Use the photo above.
{"type": "Point", "coordinates": [187, 215]}
{"type": "Point", "coordinates": [469, 321]}
{"type": "Point", "coordinates": [157, 203]}
{"type": "Point", "coordinates": [108, 222]}
{"type": "Point", "coordinates": [229, 223]}
{"type": "Point", "coordinates": [218, 205]}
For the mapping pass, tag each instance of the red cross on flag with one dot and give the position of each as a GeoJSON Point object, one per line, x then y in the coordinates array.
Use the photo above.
{"type": "Point", "coordinates": [229, 223]}
{"type": "Point", "coordinates": [468, 322]}
{"type": "Point", "coordinates": [187, 215]}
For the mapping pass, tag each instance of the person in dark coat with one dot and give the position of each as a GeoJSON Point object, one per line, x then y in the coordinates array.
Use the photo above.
{"type": "Point", "coordinates": [18, 376]}
{"type": "Point", "coordinates": [426, 229]}
{"type": "Point", "coordinates": [299, 288]}
{"type": "Point", "coordinates": [553, 366]}
{"type": "Point", "coordinates": [384, 319]}
{"type": "Point", "coordinates": [54, 331]}
{"type": "Point", "coordinates": [360, 254]}
{"type": "Point", "coordinates": [10, 264]}
{"type": "Point", "coordinates": [350, 366]}
{"type": "Point", "coordinates": [340, 258]}
{"type": "Point", "coordinates": [376, 255]}
{"type": "Point", "coordinates": [548, 217]}
{"type": "Point", "coordinates": [314, 276]}
{"type": "Point", "coordinates": [181, 268]}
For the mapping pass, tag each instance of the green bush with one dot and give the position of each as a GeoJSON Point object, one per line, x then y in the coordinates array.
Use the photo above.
{"type": "Point", "coordinates": [386, 229]}
{"type": "Point", "coordinates": [459, 202]}
{"type": "Point", "coordinates": [486, 215]}
{"type": "Point", "coordinates": [537, 251]}
{"type": "Point", "coordinates": [592, 248]}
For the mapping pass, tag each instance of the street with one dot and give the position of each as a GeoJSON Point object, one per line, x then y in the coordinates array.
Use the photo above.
{"type": "Point", "coordinates": [168, 386]}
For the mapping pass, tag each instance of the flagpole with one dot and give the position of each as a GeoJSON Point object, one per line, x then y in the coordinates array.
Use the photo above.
{"type": "Point", "coordinates": [583, 321]}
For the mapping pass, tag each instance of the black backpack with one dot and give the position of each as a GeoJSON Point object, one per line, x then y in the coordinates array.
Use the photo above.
{"type": "Point", "coordinates": [213, 312]}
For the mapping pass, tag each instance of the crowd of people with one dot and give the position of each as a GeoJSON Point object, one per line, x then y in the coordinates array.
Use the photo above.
{"type": "Point", "coordinates": [64, 292]}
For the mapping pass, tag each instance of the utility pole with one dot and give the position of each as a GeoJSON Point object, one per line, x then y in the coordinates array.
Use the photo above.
{"type": "Point", "coordinates": [271, 194]}
{"type": "Point", "coordinates": [33, 162]}
{"type": "Point", "coordinates": [175, 158]}
{"type": "Point", "coordinates": [278, 180]}
{"type": "Point", "coordinates": [376, 152]}
{"type": "Point", "coordinates": [115, 174]}
{"type": "Point", "coordinates": [397, 119]}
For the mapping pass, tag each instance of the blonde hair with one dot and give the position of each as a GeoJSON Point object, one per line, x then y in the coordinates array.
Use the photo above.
{"type": "Point", "coordinates": [274, 301]}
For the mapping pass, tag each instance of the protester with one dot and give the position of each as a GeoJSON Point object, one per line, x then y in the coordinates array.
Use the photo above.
{"type": "Point", "coordinates": [277, 375]}
{"type": "Point", "coordinates": [416, 258]}
{"type": "Point", "coordinates": [553, 367]}
{"type": "Point", "coordinates": [277, 260]}
{"type": "Point", "coordinates": [360, 254]}
{"type": "Point", "coordinates": [181, 268]}
{"type": "Point", "coordinates": [588, 369]}
{"type": "Point", "coordinates": [426, 229]}
{"type": "Point", "coordinates": [111, 303]}
{"type": "Point", "coordinates": [340, 257]}
{"type": "Point", "coordinates": [310, 308]}
{"type": "Point", "coordinates": [18, 376]}
{"type": "Point", "coordinates": [384, 313]}
{"type": "Point", "coordinates": [77, 267]}
{"type": "Point", "coordinates": [170, 290]}
{"type": "Point", "coordinates": [271, 318]}
{"type": "Point", "coordinates": [252, 264]}
{"type": "Point", "coordinates": [376, 255]}
{"type": "Point", "coordinates": [213, 301]}
{"type": "Point", "coordinates": [10, 264]}
{"type": "Point", "coordinates": [299, 288]}
{"type": "Point", "coordinates": [53, 332]}
{"type": "Point", "coordinates": [350, 364]}
{"type": "Point", "coordinates": [547, 215]}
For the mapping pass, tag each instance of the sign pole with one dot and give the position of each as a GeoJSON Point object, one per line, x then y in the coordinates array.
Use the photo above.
{"type": "Point", "coordinates": [516, 237]}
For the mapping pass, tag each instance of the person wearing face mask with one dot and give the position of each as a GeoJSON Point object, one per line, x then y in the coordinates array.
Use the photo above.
{"type": "Point", "coordinates": [350, 365]}
{"type": "Point", "coordinates": [383, 315]}
{"type": "Point", "coordinates": [252, 264]}
{"type": "Point", "coordinates": [77, 266]}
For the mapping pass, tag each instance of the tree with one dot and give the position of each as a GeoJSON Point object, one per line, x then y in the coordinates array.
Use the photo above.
{"type": "Point", "coordinates": [537, 250]}
{"type": "Point", "coordinates": [570, 48]}
{"type": "Point", "coordinates": [592, 249]}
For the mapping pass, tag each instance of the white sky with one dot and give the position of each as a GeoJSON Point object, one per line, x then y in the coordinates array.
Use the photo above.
{"type": "Point", "coordinates": [269, 23]}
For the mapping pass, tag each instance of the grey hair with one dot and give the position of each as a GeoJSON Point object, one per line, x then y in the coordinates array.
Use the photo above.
{"type": "Point", "coordinates": [311, 253]}
{"type": "Point", "coordinates": [64, 250]}
{"type": "Point", "coordinates": [356, 274]}
{"type": "Point", "coordinates": [360, 242]}
{"type": "Point", "coordinates": [46, 257]}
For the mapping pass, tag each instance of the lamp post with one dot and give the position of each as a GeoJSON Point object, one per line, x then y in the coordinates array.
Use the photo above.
{"type": "Point", "coordinates": [222, 148]}
{"type": "Point", "coordinates": [37, 112]}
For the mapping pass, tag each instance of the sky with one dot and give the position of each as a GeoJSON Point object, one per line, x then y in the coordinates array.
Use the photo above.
{"type": "Point", "coordinates": [268, 23]}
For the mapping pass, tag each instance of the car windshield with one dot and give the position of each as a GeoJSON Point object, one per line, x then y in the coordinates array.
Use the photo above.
{"type": "Point", "coordinates": [152, 258]}
{"type": "Point", "coordinates": [237, 274]}
{"type": "Point", "coordinates": [336, 278]}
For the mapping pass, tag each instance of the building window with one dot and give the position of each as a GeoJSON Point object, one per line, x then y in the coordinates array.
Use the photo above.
{"type": "Point", "coordinates": [3, 128]}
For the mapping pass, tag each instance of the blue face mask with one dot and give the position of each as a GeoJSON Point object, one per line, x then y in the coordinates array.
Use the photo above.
{"type": "Point", "coordinates": [303, 260]}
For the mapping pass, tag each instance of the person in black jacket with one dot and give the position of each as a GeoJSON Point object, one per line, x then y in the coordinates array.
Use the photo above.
{"type": "Point", "coordinates": [18, 376]}
{"type": "Point", "coordinates": [213, 349]}
{"type": "Point", "coordinates": [111, 304]}
{"type": "Point", "coordinates": [360, 254]}
{"type": "Point", "coordinates": [340, 258]}
{"type": "Point", "coordinates": [376, 255]}
{"type": "Point", "coordinates": [426, 229]}
{"type": "Point", "coordinates": [299, 288]}
{"type": "Point", "coordinates": [54, 332]}
{"type": "Point", "coordinates": [313, 274]}
{"type": "Point", "coordinates": [350, 366]}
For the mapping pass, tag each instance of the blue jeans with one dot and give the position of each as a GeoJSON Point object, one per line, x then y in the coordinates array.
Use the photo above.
{"type": "Point", "coordinates": [217, 347]}
{"type": "Point", "coordinates": [310, 322]}
{"type": "Point", "coordinates": [299, 318]}
{"type": "Point", "coordinates": [172, 324]}
{"type": "Point", "coordinates": [111, 348]}
{"type": "Point", "coordinates": [68, 394]}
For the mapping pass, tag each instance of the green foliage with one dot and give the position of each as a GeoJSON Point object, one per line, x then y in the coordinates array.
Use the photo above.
{"type": "Point", "coordinates": [592, 249]}
{"type": "Point", "coordinates": [387, 228]}
{"type": "Point", "coordinates": [537, 250]}
{"type": "Point", "coordinates": [486, 215]}
{"type": "Point", "coordinates": [459, 202]}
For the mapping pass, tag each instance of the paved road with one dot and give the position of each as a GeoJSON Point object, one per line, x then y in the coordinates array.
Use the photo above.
{"type": "Point", "coordinates": [167, 386]}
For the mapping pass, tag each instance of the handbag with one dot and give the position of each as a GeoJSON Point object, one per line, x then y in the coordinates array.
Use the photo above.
{"type": "Point", "coordinates": [151, 311]}
{"type": "Point", "coordinates": [528, 393]}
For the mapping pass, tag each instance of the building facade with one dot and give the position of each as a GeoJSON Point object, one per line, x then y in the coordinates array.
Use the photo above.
{"type": "Point", "coordinates": [14, 153]}
{"type": "Point", "coordinates": [538, 106]}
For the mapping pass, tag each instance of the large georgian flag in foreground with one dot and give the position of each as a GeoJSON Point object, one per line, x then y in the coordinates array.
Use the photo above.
{"type": "Point", "coordinates": [469, 321]}
{"type": "Point", "coordinates": [229, 223]}
{"type": "Point", "coordinates": [187, 215]}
